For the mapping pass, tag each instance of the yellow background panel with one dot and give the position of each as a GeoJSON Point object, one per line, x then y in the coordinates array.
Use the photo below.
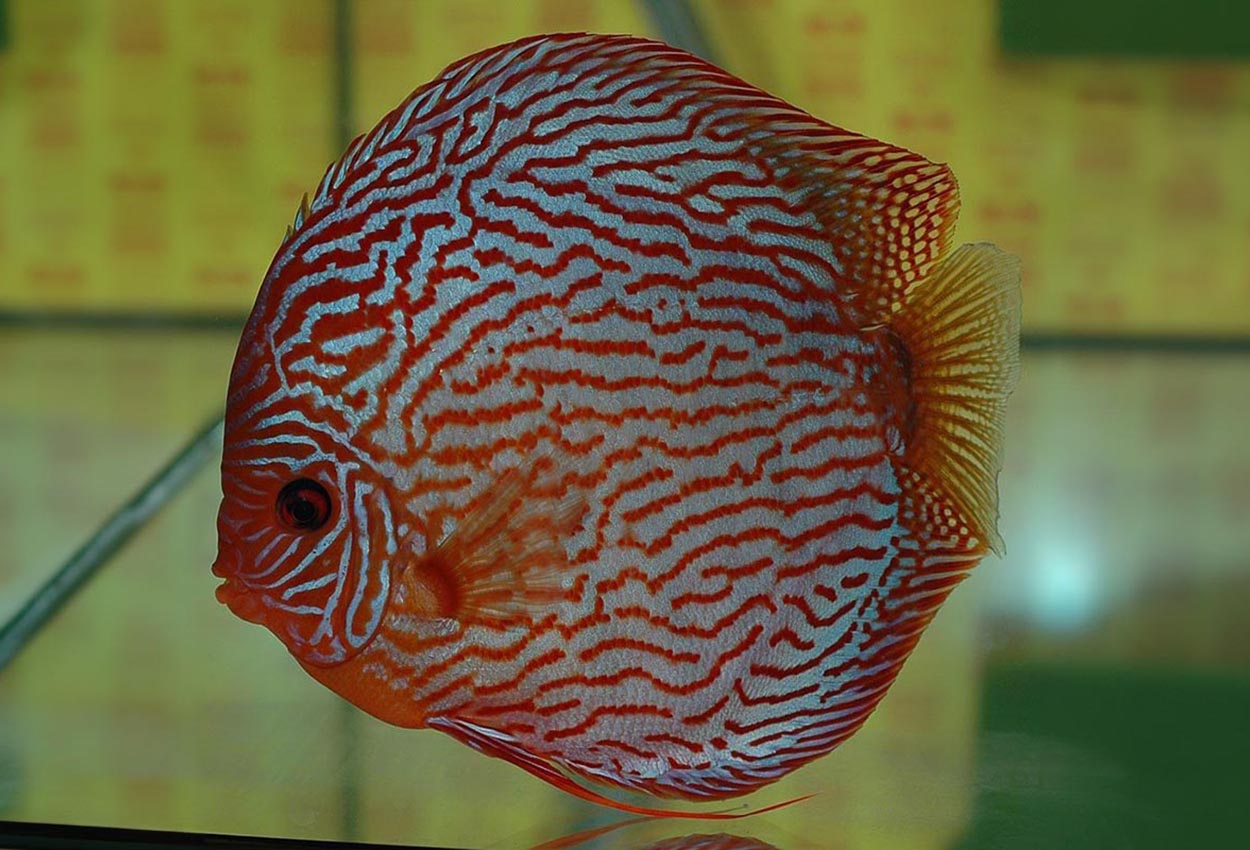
{"type": "Point", "coordinates": [152, 152]}
{"type": "Point", "coordinates": [1122, 185]}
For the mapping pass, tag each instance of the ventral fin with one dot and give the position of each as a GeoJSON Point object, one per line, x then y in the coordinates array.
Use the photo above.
{"type": "Point", "coordinates": [505, 559]}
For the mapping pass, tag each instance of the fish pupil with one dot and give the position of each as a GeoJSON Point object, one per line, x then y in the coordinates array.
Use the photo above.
{"type": "Point", "coordinates": [303, 505]}
{"type": "Point", "coordinates": [303, 511]}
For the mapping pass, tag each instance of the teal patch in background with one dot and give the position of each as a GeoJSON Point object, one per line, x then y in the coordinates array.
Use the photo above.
{"type": "Point", "coordinates": [1096, 758]}
{"type": "Point", "coordinates": [1144, 29]}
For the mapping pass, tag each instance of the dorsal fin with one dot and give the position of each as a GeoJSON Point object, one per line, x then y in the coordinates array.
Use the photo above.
{"type": "Point", "coordinates": [889, 212]}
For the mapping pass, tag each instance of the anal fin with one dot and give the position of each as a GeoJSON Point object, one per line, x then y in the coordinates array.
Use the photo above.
{"type": "Point", "coordinates": [501, 745]}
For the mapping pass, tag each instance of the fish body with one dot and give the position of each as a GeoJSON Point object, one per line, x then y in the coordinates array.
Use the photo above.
{"type": "Point", "coordinates": [616, 418]}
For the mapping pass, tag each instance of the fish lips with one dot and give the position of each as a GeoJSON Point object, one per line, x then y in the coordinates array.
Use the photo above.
{"type": "Point", "coordinates": [233, 592]}
{"type": "Point", "coordinates": [240, 601]}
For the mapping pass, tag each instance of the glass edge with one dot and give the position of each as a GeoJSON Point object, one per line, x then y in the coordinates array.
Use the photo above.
{"type": "Point", "coordinates": [17, 835]}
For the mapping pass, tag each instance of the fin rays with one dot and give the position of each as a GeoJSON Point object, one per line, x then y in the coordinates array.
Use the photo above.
{"type": "Point", "coordinates": [961, 327]}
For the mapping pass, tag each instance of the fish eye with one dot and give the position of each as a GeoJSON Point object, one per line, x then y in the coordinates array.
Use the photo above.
{"type": "Point", "coordinates": [303, 505]}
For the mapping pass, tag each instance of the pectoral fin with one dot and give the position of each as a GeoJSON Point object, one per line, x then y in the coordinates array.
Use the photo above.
{"type": "Point", "coordinates": [506, 557]}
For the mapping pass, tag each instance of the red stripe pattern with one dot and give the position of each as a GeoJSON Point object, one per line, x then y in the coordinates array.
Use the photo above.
{"type": "Point", "coordinates": [581, 248]}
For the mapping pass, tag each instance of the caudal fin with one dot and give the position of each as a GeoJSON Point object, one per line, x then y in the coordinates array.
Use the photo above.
{"type": "Point", "coordinates": [961, 329]}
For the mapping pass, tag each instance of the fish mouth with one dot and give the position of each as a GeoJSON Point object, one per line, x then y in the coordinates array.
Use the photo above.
{"type": "Point", "coordinates": [245, 604]}
{"type": "Point", "coordinates": [222, 569]}
{"type": "Point", "coordinates": [234, 593]}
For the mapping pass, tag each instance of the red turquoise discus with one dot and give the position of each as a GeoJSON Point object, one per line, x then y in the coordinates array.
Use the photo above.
{"type": "Point", "coordinates": [617, 418]}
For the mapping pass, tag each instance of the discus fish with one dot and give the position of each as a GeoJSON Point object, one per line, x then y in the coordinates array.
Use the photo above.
{"type": "Point", "coordinates": [617, 418]}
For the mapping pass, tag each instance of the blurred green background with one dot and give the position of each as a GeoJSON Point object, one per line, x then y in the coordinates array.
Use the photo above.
{"type": "Point", "coordinates": [1088, 690]}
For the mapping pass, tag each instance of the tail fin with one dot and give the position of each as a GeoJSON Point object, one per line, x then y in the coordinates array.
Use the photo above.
{"type": "Point", "coordinates": [961, 329]}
